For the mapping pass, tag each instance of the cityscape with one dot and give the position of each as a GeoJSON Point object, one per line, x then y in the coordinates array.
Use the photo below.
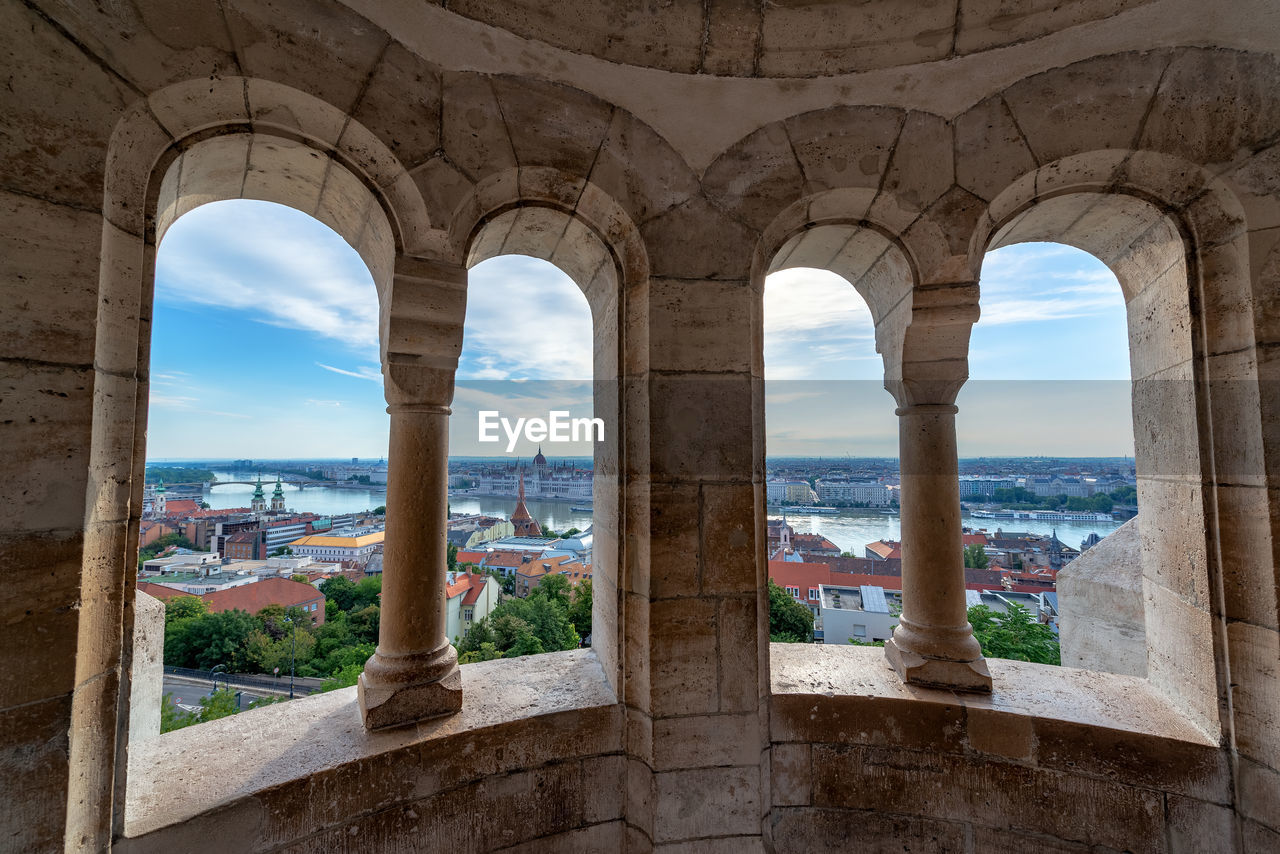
{"type": "Point", "coordinates": [296, 547]}
{"type": "Point", "coordinates": [680, 427]}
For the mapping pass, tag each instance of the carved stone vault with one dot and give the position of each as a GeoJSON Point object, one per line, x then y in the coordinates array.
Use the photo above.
{"type": "Point", "coordinates": [668, 156]}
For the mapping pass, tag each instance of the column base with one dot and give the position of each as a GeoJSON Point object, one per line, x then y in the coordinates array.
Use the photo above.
{"type": "Point", "coordinates": [402, 690]}
{"type": "Point", "coordinates": [915, 669]}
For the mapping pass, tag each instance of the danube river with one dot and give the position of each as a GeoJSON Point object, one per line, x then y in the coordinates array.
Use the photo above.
{"type": "Point", "coordinates": [851, 530]}
{"type": "Point", "coordinates": [325, 500]}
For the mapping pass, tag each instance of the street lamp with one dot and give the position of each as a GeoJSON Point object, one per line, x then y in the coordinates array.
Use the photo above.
{"type": "Point", "coordinates": [214, 674]}
{"type": "Point", "coordinates": [293, 651]}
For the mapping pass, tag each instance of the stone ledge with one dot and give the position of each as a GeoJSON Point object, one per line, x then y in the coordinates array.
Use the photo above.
{"type": "Point", "coordinates": [178, 776]}
{"type": "Point", "coordinates": [1066, 694]}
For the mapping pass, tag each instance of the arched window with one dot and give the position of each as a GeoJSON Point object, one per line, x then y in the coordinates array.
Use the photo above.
{"type": "Point", "coordinates": [831, 459]}
{"type": "Point", "coordinates": [264, 353]}
{"type": "Point", "coordinates": [522, 425]}
{"type": "Point", "coordinates": [1047, 473]}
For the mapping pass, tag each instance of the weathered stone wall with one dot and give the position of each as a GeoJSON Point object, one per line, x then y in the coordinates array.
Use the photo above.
{"type": "Point", "coordinates": [1101, 619]}
{"type": "Point", "coordinates": [146, 676]}
{"type": "Point", "coordinates": [424, 135]}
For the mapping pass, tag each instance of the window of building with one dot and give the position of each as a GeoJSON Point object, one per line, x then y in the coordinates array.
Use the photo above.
{"type": "Point", "coordinates": [527, 359]}
{"type": "Point", "coordinates": [1049, 386]}
{"type": "Point", "coordinates": [288, 380]}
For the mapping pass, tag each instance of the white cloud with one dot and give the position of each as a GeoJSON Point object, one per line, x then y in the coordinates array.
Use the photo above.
{"type": "Point", "coordinates": [171, 401]}
{"type": "Point", "coordinates": [362, 372]}
{"type": "Point", "coordinates": [1037, 282]}
{"type": "Point", "coordinates": [525, 319]}
{"type": "Point", "coordinates": [283, 267]}
{"type": "Point", "coordinates": [816, 326]}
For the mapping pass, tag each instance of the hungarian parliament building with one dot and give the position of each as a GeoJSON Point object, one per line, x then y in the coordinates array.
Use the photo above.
{"type": "Point", "coordinates": [560, 480]}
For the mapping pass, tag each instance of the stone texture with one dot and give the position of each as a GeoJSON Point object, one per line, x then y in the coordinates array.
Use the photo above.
{"type": "Point", "coordinates": [146, 675]}
{"type": "Point", "coordinates": [665, 154]}
{"type": "Point", "coordinates": [1102, 621]}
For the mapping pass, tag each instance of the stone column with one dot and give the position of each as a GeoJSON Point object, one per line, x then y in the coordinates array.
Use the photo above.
{"type": "Point", "coordinates": [933, 644]}
{"type": "Point", "coordinates": [414, 674]}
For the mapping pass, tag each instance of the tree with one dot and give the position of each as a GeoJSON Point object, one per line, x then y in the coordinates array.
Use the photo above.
{"type": "Point", "coordinates": [1125, 495]}
{"type": "Point", "coordinates": [975, 557]}
{"type": "Point", "coordinates": [344, 678]}
{"type": "Point", "coordinates": [451, 557]}
{"type": "Point", "coordinates": [485, 652]}
{"type": "Point", "coordinates": [580, 608]}
{"type": "Point", "coordinates": [210, 640]}
{"type": "Point", "coordinates": [1014, 634]}
{"type": "Point", "coordinates": [339, 590]}
{"type": "Point", "coordinates": [554, 587]}
{"type": "Point", "coordinates": [789, 621]}
{"type": "Point", "coordinates": [299, 578]}
{"type": "Point", "coordinates": [380, 510]}
{"type": "Point", "coordinates": [367, 591]}
{"type": "Point", "coordinates": [529, 626]}
{"type": "Point", "coordinates": [280, 551]}
{"type": "Point", "coordinates": [222, 703]}
{"type": "Point", "coordinates": [184, 607]}
{"type": "Point", "coordinates": [364, 623]}
{"type": "Point", "coordinates": [172, 717]}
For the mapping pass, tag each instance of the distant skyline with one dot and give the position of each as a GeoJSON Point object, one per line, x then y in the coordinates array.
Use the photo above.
{"type": "Point", "coordinates": [265, 345]}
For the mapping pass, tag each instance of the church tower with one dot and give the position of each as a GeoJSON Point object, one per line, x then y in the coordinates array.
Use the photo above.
{"type": "Point", "coordinates": [524, 524]}
{"type": "Point", "coordinates": [158, 506]}
{"type": "Point", "coordinates": [259, 503]}
{"type": "Point", "coordinates": [277, 497]}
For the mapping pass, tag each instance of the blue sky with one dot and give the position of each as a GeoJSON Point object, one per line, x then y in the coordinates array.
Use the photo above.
{"type": "Point", "coordinates": [265, 345]}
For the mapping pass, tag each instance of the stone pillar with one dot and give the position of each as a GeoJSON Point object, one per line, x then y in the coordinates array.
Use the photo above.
{"type": "Point", "coordinates": [414, 673]}
{"type": "Point", "coordinates": [933, 644]}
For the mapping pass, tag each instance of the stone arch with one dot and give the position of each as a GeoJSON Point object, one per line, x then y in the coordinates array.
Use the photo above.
{"type": "Point", "coordinates": [595, 243]}
{"type": "Point", "coordinates": [830, 231]}
{"type": "Point", "coordinates": [1170, 232]}
{"type": "Point", "coordinates": [183, 146]}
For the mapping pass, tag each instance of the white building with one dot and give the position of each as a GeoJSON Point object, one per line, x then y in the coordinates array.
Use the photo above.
{"type": "Point", "coordinates": [866, 613]}
{"type": "Point", "coordinates": [869, 492]}
{"type": "Point", "coordinates": [468, 597]}
{"type": "Point", "coordinates": [339, 545]}
{"type": "Point", "coordinates": [789, 492]}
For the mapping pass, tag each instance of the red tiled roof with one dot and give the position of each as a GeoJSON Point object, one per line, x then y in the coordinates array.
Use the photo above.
{"type": "Point", "coordinates": [471, 556]}
{"type": "Point", "coordinates": [478, 583]}
{"type": "Point", "coordinates": [180, 505]}
{"type": "Point", "coordinates": [973, 539]}
{"type": "Point", "coordinates": [542, 566]}
{"type": "Point", "coordinates": [509, 558]}
{"type": "Point", "coordinates": [886, 548]}
{"type": "Point", "coordinates": [269, 591]}
{"type": "Point", "coordinates": [577, 574]}
{"type": "Point", "coordinates": [159, 591]}
{"type": "Point", "coordinates": [856, 565]}
{"type": "Point", "coordinates": [808, 575]}
{"type": "Point", "coordinates": [813, 542]}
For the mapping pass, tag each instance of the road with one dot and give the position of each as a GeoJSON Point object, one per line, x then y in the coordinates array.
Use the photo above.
{"type": "Point", "coordinates": [186, 693]}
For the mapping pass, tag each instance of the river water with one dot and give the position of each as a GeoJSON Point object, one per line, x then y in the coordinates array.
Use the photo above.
{"type": "Point", "coordinates": [325, 500]}
{"type": "Point", "coordinates": [851, 530]}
